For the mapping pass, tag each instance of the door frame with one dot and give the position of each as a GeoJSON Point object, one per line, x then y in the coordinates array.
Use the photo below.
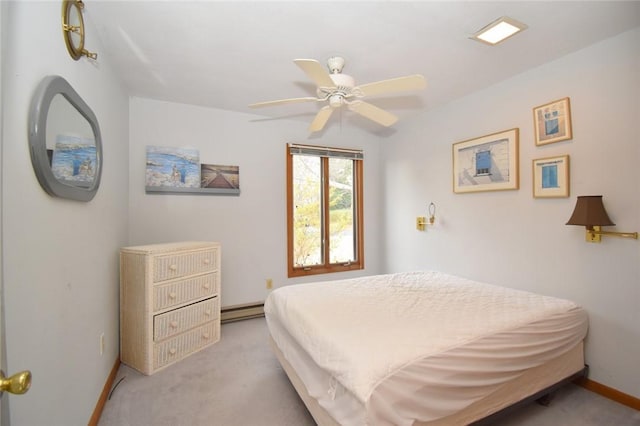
{"type": "Point", "coordinates": [4, 404]}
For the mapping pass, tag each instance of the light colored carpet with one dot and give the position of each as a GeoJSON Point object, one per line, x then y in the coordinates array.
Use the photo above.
{"type": "Point", "coordinates": [238, 381]}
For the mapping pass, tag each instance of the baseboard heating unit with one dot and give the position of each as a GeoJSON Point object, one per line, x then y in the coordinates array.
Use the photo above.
{"type": "Point", "coordinates": [242, 312]}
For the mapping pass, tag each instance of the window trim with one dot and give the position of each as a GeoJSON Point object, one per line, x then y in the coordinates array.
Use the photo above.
{"type": "Point", "coordinates": [358, 166]}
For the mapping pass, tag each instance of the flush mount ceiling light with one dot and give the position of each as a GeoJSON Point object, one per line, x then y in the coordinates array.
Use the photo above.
{"type": "Point", "coordinates": [499, 30]}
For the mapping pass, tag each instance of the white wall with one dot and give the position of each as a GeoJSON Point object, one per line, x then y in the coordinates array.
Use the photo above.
{"type": "Point", "coordinates": [510, 238]}
{"type": "Point", "coordinates": [60, 256]}
{"type": "Point", "coordinates": [252, 226]}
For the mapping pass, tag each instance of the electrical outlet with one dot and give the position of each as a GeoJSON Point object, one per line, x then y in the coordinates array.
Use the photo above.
{"type": "Point", "coordinates": [269, 283]}
{"type": "Point", "coordinates": [101, 344]}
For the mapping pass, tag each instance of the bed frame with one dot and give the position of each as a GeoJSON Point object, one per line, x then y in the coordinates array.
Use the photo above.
{"type": "Point", "coordinates": [534, 384]}
{"type": "Point", "coordinates": [543, 397]}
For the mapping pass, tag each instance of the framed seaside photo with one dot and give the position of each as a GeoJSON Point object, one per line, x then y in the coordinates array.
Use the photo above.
{"type": "Point", "coordinates": [552, 122]}
{"type": "Point", "coordinates": [551, 177]}
{"type": "Point", "coordinates": [487, 163]}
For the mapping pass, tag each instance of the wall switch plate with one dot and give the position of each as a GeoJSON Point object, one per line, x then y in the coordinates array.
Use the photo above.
{"type": "Point", "coordinates": [269, 283]}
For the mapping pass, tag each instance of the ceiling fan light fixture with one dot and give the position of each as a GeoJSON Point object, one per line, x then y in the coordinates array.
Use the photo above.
{"type": "Point", "coordinates": [499, 30]}
{"type": "Point", "coordinates": [335, 101]}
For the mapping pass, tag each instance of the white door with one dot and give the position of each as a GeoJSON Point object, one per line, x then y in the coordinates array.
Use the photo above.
{"type": "Point", "coordinates": [19, 383]}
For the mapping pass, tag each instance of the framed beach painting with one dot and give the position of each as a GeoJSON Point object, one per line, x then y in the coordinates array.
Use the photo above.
{"type": "Point", "coordinates": [551, 177]}
{"type": "Point", "coordinates": [552, 122]}
{"type": "Point", "coordinates": [487, 163]}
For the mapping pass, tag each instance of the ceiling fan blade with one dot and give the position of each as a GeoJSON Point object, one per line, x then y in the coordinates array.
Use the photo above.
{"type": "Point", "coordinates": [372, 112]}
{"type": "Point", "coordinates": [410, 82]}
{"type": "Point", "coordinates": [283, 101]}
{"type": "Point", "coordinates": [315, 72]}
{"type": "Point", "coordinates": [321, 118]}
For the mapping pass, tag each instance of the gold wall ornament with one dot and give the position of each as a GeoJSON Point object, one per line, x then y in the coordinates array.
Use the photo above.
{"type": "Point", "coordinates": [73, 29]}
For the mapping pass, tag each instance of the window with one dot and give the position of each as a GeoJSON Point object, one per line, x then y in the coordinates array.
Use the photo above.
{"type": "Point", "coordinates": [324, 210]}
{"type": "Point", "coordinates": [483, 163]}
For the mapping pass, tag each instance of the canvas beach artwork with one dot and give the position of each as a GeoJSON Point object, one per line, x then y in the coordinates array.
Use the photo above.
{"type": "Point", "coordinates": [172, 167]}
{"type": "Point", "coordinates": [220, 177]}
{"type": "Point", "coordinates": [74, 160]}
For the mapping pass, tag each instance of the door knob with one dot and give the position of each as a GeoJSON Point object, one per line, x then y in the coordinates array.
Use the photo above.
{"type": "Point", "coordinates": [17, 384]}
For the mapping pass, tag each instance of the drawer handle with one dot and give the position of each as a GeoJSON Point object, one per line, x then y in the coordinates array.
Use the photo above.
{"type": "Point", "coordinates": [205, 336]}
{"type": "Point", "coordinates": [173, 268]}
{"type": "Point", "coordinates": [172, 295]}
{"type": "Point", "coordinates": [173, 324]}
{"type": "Point", "coordinates": [206, 286]}
{"type": "Point", "coordinates": [207, 261]}
{"type": "Point", "coordinates": [207, 313]}
{"type": "Point", "coordinates": [173, 351]}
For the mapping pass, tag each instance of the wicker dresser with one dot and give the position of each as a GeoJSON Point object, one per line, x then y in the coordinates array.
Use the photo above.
{"type": "Point", "coordinates": [169, 302]}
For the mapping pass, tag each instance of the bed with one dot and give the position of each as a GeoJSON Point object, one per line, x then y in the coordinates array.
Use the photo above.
{"type": "Point", "coordinates": [420, 348]}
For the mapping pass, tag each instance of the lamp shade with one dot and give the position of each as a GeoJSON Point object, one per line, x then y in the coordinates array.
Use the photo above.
{"type": "Point", "coordinates": [589, 211]}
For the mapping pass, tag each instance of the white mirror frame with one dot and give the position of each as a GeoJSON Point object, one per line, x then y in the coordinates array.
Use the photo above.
{"type": "Point", "coordinates": [38, 112]}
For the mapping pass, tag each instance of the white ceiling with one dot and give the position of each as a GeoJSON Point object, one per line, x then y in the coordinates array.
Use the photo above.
{"type": "Point", "coordinates": [228, 54]}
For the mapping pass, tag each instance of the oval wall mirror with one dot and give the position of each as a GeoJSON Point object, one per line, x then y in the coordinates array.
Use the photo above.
{"type": "Point", "coordinates": [64, 141]}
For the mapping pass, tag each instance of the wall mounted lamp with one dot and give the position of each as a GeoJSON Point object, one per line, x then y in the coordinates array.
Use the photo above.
{"type": "Point", "coordinates": [590, 213]}
{"type": "Point", "coordinates": [421, 221]}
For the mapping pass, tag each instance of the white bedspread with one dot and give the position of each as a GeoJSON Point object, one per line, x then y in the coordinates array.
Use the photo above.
{"type": "Point", "coordinates": [367, 332]}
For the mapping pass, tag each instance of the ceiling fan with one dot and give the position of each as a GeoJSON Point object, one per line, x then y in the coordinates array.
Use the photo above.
{"type": "Point", "coordinates": [340, 90]}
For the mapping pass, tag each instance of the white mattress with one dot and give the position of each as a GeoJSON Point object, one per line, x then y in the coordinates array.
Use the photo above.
{"type": "Point", "coordinates": [399, 348]}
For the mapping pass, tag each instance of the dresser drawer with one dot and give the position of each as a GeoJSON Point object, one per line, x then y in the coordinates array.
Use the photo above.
{"type": "Point", "coordinates": [178, 265]}
{"type": "Point", "coordinates": [184, 344]}
{"type": "Point", "coordinates": [183, 319]}
{"type": "Point", "coordinates": [184, 291]}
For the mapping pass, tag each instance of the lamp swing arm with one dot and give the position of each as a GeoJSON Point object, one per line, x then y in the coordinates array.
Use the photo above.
{"type": "Point", "coordinates": [595, 230]}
